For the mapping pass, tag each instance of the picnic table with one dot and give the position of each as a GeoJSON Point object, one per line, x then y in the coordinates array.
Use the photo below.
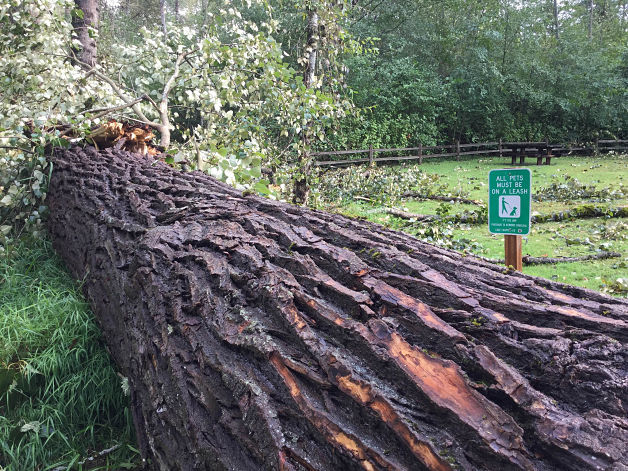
{"type": "Point", "coordinates": [522, 150]}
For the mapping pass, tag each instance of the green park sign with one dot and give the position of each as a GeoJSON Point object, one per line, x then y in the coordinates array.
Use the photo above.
{"type": "Point", "coordinates": [509, 195]}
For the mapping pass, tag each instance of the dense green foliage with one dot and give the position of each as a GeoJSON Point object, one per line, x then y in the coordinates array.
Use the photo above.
{"type": "Point", "coordinates": [60, 397]}
{"type": "Point", "coordinates": [482, 70]}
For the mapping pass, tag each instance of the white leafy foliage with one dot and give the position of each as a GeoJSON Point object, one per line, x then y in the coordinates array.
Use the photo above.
{"type": "Point", "coordinates": [234, 82]}
{"type": "Point", "coordinates": [39, 83]}
{"type": "Point", "coordinates": [39, 87]}
{"type": "Point", "coordinates": [247, 107]}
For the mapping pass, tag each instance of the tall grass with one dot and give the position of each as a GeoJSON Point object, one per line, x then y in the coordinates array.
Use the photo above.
{"type": "Point", "coordinates": [60, 397]}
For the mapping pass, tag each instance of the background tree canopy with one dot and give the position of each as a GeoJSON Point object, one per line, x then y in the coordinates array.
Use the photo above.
{"type": "Point", "coordinates": [481, 70]}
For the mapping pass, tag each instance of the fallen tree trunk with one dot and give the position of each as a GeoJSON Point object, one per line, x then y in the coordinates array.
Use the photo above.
{"type": "Point", "coordinates": [259, 335]}
{"type": "Point", "coordinates": [585, 211]}
{"type": "Point", "coordinates": [408, 215]}
{"type": "Point", "coordinates": [455, 199]}
{"type": "Point", "coordinates": [529, 260]}
{"type": "Point", "coordinates": [466, 217]}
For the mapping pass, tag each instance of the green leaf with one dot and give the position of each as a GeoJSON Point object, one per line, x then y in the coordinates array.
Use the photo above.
{"type": "Point", "coordinates": [262, 187]}
{"type": "Point", "coordinates": [256, 172]}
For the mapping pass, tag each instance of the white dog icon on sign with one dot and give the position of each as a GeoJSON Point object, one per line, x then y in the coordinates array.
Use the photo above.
{"type": "Point", "coordinates": [509, 206]}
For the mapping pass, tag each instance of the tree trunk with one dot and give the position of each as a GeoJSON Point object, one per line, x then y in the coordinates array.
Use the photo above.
{"type": "Point", "coordinates": [528, 260]}
{"type": "Point", "coordinates": [506, 22]}
{"type": "Point", "coordinates": [590, 19]}
{"type": "Point", "coordinates": [556, 23]}
{"type": "Point", "coordinates": [311, 48]}
{"type": "Point", "coordinates": [204, 5]}
{"type": "Point", "coordinates": [162, 14]}
{"type": "Point", "coordinates": [584, 211]}
{"type": "Point", "coordinates": [301, 185]}
{"type": "Point", "coordinates": [260, 335]}
{"type": "Point", "coordinates": [87, 54]}
{"type": "Point", "coordinates": [457, 199]}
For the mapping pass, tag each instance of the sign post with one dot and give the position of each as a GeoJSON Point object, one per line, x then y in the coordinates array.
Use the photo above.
{"type": "Point", "coordinates": [512, 252]}
{"type": "Point", "coordinates": [509, 203]}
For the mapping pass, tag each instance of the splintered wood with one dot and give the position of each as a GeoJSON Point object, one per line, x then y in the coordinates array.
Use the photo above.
{"type": "Point", "coordinates": [133, 138]}
{"type": "Point", "coordinates": [259, 335]}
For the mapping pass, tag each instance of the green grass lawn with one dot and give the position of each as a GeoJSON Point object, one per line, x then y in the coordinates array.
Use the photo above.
{"type": "Point", "coordinates": [465, 174]}
{"type": "Point", "coordinates": [61, 400]}
{"type": "Point", "coordinates": [567, 183]}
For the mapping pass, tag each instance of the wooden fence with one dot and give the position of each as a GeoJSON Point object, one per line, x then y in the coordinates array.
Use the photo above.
{"type": "Point", "coordinates": [514, 150]}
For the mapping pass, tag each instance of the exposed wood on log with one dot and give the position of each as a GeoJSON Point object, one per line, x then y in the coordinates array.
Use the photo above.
{"type": "Point", "coordinates": [259, 335]}
{"type": "Point", "coordinates": [528, 260]}
{"type": "Point", "coordinates": [130, 137]}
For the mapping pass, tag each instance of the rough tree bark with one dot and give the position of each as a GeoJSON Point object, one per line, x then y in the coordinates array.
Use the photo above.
{"type": "Point", "coordinates": [87, 54]}
{"type": "Point", "coordinates": [259, 335]}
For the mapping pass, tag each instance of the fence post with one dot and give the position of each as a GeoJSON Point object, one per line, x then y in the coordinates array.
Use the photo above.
{"type": "Point", "coordinates": [420, 153]}
{"type": "Point", "coordinates": [457, 149]}
{"type": "Point", "coordinates": [370, 155]}
{"type": "Point", "coordinates": [597, 146]}
{"type": "Point", "coordinates": [500, 148]}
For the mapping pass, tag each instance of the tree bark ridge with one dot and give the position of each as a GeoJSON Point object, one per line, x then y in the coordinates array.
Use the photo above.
{"type": "Point", "coordinates": [259, 335]}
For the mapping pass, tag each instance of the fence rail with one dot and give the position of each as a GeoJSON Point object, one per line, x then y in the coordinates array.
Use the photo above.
{"type": "Point", "coordinates": [542, 150]}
